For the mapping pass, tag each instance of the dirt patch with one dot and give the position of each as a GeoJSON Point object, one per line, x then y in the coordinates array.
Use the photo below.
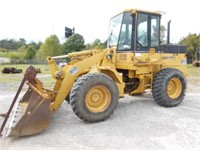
{"type": "Point", "coordinates": [193, 85]}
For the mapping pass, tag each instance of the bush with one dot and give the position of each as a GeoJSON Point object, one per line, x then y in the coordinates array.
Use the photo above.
{"type": "Point", "coordinates": [3, 50]}
{"type": "Point", "coordinates": [17, 57]}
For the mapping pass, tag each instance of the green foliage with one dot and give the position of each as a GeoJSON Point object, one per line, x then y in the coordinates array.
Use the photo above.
{"type": "Point", "coordinates": [3, 50]}
{"type": "Point", "coordinates": [74, 43]}
{"type": "Point", "coordinates": [35, 45]}
{"type": "Point", "coordinates": [12, 43]}
{"type": "Point", "coordinates": [20, 45]}
{"type": "Point", "coordinates": [22, 41]}
{"type": "Point", "coordinates": [192, 41]}
{"type": "Point", "coordinates": [4, 54]}
{"type": "Point", "coordinates": [22, 48]}
{"type": "Point", "coordinates": [51, 47]}
{"type": "Point", "coordinates": [88, 46]}
{"type": "Point", "coordinates": [30, 53]}
{"type": "Point", "coordinates": [96, 44]}
{"type": "Point", "coordinates": [16, 57]}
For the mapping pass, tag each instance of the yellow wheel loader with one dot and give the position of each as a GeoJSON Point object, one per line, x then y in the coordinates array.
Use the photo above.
{"type": "Point", "coordinates": [94, 80]}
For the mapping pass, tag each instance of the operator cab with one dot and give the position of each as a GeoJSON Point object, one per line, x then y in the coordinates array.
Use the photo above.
{"type": "Point", "coordinates": [135, 30]}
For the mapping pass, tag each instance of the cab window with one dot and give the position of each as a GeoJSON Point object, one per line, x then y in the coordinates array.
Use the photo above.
{"type": "Point", "coordinates": [148, 31]}
{"type": "Point", "coordinates": [155, 31]}
{"type": "Point", "coordinates": [125, 38]}
{"type": "Point", "coordinates": [142, 30]}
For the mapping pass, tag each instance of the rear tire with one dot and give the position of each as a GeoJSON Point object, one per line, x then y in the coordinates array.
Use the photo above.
{"type": "Point", "coordinates": [94, 97]}
{"type": "Point", "coordinates": [169, 87]}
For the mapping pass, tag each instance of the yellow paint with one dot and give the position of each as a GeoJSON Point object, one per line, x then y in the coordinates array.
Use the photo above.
{"type": "Point", "coordinates": [98, 99]}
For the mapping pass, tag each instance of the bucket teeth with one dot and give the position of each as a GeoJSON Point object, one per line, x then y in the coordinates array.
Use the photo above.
{"type": "Point", "coordinates": [14, 117]}
{"type": "Point", "coordinates": [28, 116]}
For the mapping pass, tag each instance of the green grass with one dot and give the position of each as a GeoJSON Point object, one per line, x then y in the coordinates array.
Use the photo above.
{"type": "Point", "coordinates": [11, 53]}
{"type": "Point", "coordinates": [4, 54]}
{"type": "Point", "coordinates": [44, 68]}
{"type": "Point", "coordinates": [11, 79]}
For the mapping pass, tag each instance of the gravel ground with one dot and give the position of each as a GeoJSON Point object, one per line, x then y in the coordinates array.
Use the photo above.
{"type": "Point", "coordinates": [137, 123]}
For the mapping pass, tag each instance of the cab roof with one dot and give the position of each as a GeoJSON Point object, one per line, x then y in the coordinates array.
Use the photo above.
{"type": "Point", "coordinates": [135, 10]}
{"type": "Point", "coordinates": [144, 11]}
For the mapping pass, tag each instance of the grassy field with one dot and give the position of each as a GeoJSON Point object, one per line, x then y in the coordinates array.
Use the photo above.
{"type": "Point", "coordinates": [4, 54]}
{"type": "Point", "coordinates": [45, 76]}
{"type": "Point", "coordinates": [9, 54]}
{"type": "Point", "coordinates": [44, 68]}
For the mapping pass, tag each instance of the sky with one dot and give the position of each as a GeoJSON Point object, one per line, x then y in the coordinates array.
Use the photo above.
{"type": "Point", "coordinates": [35, 20]}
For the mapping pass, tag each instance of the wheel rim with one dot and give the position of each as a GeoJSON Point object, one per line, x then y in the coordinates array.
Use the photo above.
{"type": "Point", "coordinates": [98, 98]}
{"type": "Point", "coordinates": [174, 88]}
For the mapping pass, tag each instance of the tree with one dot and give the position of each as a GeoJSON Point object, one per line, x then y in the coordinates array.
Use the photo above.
{"type": "Point", "coordinates": [30, 53]}
{"type": "Point", "coordinates": [51, 47]}
{"type": "Point", "coordinates": [36, 45]}
{"type": "Point", "coordinates": [22, 48]}
{"type": "Point", "coordinates": [17, 57]}
{"type": "Point", "coordinates": [88, 46]}
{"type": "Point", "coordinates": [12, 43]}
{"type": "Point", "coordinates": [21, 42]}
{"type": "Point", "coordinates": [96, 44]}
{"type": "Point", "coordinates": [74, 43]}
{"type": "Point", "coordinates": [192, 41]}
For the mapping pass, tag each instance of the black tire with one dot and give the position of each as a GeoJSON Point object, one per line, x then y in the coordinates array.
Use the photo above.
{"type": "Point", "coordinates": [94, 97]}
{"type": "Point", "coordinates": [169, 87]}
{"type": "Point", "coordinates": [17, 71]}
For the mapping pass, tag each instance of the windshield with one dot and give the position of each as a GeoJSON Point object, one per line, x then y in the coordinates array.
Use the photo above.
{"type": "Point", "coordinates": [115, 25]}
{"type": "Point", "coordinates": [125, 38]}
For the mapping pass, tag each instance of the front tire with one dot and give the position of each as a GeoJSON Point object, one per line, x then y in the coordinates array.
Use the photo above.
{"type": "Point", "coordinates": [94, 97]}
{"type": "Point", "coordinates": [169, 87]}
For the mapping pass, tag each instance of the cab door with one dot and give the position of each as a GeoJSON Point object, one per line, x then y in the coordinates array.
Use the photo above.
{"type": "Point", "coordinates": [147, 32]}
{"type": "Point", "coordinates": [125, 46]}
{"type": "Point", "coordinates": [125, 42]}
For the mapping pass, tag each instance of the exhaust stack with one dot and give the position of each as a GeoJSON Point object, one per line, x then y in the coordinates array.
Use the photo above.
{"type": "Point", "coordinates": [168, 32]}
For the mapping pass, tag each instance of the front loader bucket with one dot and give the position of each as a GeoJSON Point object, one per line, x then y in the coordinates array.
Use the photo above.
{"type": "Point", "coordinates": [30, 115]}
